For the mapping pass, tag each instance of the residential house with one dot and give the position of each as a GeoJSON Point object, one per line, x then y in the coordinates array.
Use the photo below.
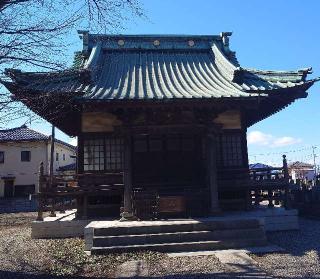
{"type": "Point", "coordinates": [69, 169]}
{"type": "Point", "coordinates": [301, 171]}
{"type": "Point", "coordinates": [21, 151]}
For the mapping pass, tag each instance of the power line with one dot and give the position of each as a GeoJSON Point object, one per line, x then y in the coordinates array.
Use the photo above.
{"type": "Point", "coordinates": [283, 152]}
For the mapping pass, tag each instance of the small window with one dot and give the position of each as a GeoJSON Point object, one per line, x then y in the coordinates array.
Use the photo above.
{"type": "Point", "coordinates": [57, 156]}
{"type": "Point", "coordinates": [25, 156]}
{"type": "Point", "coordinates": [1, 157]}
{"type": "Point", "coordinates": [64, 157]}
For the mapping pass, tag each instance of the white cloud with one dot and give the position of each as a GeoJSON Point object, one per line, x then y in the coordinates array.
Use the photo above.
{"type": "Point", "coordinates": [262, 139]}
{"type": "Point", "coordinates": [73, 141]}
{"type": "Point", "coordinates": [284, 141]}
{"type": "Point", "coordinates": [259, 138]}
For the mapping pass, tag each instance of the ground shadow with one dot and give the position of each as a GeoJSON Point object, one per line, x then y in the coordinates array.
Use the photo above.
{"type": "Point", "coordinates": [299, 242]}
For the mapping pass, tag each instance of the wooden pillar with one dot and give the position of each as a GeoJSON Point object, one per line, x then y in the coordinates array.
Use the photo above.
{"type": "Point", "coordinates": [286, 178]}
{"type": "Point", "coordinates": [40, 189]}
{"type": "Point", "coordinates": [127, 214]}
{"type": "Point", "coordinates": [212, 174]}
{"type": "Point", "coordinates": [80, 151]}
{"type": "Point", "coordinates": [52, 156]}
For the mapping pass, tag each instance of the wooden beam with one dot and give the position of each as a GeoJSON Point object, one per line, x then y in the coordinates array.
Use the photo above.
{"type": "Point", "coordinates": [212, 173]}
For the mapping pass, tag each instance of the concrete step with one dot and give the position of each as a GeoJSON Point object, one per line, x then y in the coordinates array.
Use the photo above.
{"type": "Point", "coordinates": [183, 246]}
{"type": "Point", "coordinates": [155, 227]}
{"type": "Point", "coordinates": [177, 237]}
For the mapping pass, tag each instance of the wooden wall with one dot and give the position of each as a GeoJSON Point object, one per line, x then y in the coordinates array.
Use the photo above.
{"type": "Point", "coordinates": [99, 122]}
{"type": "Point", "coordinates": [230, 119]}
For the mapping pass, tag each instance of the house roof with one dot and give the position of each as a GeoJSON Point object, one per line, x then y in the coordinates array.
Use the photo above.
{"type": "Point", "coordinates": [300, 165]}
{"type": "Point", "coordinates": [259, 166]}
{"type": "Point", "coordinates": [264, 169]}
{"type": "Point", "coordinates": [68, 167]}
{"type": "Point", "coordinates": [23, 133]}
{"type": "Point", "coordinates": [131, 67]}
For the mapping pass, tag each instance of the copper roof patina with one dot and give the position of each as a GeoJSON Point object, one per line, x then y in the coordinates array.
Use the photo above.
{"type": "Point", "coordinates": [140, 70]}
{"type": "Point", "coordinates": [129, 67]}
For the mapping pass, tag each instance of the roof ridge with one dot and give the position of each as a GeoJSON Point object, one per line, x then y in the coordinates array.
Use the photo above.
{"type": "Point", "coordinates": [150, 35]}
{"type": "Point", "coordinates": [36, 134]}
{"type": "Point", "coordinates": [306, 70]}
{"type": "Point", "coordinates": [14, 128]}
{"type": "Point", "coordinates": [64, 143]}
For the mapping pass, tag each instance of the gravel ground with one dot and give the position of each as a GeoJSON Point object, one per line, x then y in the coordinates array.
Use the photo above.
{"type": "Point", "coordinates": [207, 266]}
{"type": "Point", "coordinates": [23, 257]}
{"type": "Point", "coordinates": [301, 259]}
{"type": "Point", "coordinates": [20, 256]}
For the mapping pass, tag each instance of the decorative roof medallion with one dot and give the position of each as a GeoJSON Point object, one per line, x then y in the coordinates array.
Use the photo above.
{"type": "Point", "coordinates": [191, 43]}
{"type": "Point", "coordinates": [121, 42]}
{"type": "Point", "coordinates": [156, 43]}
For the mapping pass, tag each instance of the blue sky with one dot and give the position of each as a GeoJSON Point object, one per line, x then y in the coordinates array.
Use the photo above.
{"type": "Point", "coordinates": [276, 35]}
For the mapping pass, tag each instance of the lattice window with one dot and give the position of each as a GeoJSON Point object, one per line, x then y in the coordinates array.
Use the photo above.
{"type": "Point", "coordinates": [114, 154]}
{"type": "Point", "coordinates": [103, 154]}
{"type": "Point", "coordinates": [230, 150]}
{"type": "Point", "coordinates": [93, 155]}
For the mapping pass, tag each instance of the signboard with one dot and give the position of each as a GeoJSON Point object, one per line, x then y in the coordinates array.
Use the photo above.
{"type": "Point", "coordinates": [172, 204]}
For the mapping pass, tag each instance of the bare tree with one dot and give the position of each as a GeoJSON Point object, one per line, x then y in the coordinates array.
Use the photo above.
{"type": "Point", "coordinates": [33, 35]}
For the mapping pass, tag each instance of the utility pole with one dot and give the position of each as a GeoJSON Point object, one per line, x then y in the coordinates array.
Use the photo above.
{"type": "Point", "coordinates": [314, 165]}
{"type": "Point", "coordinates": [52, 155]}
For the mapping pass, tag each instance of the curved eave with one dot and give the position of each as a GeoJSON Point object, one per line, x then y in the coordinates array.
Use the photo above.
{"type": "Point", "coordinates": [272, 105]}
{"type": "Point", "coordinates": [58, 109]}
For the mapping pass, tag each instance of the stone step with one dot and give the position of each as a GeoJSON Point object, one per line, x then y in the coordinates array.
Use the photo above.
{"type": "Point", "coordinates": [154, 227]}
{"type": "Point", "coordinates": [183, 246]}
{"type": "Point", "coordinates": [177, 237]}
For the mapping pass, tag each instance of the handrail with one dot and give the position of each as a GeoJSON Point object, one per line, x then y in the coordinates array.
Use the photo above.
{"type": "Point", "coordinates": [73, 190]}
{"type": "Point", "coordinates": [265, 185]}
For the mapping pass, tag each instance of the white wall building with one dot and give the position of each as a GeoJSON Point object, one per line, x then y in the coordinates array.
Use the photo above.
{"type": "Point", "coordinates": [21, 152]}
{"type": "Point", "coordinates": [301, 171]}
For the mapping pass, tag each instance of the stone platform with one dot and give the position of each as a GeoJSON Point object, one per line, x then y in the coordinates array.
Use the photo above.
{"type": "Point", "coordinates": [65, 224]}
{"type": "Point", "coordinates": [174, 235]}
{"type": "Point", "coordinates": [275, 219]}
{"type": "Point", "coordinates": [62, 226]}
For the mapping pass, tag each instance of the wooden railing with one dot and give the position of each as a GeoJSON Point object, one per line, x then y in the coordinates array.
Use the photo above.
{"type": "Point", "coordinates": [271, 185]}
{"type": "Point", "coordinates": [78, 191]}
{"type": "Point", "coordinates": [62, 192]}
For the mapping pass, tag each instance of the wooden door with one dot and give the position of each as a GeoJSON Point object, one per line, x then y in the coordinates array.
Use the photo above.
{"type": "Point", "coordinates": [167, 159]}
{"type": "Point", "coordinates": [8, 188]}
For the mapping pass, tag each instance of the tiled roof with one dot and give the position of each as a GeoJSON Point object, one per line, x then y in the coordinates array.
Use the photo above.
{"type": "Point", "coordinates": [300, 165]}
{"type": "Point", "coordinates": [22, 133]}
{"type": "Point", "coordinates": [259, 166]}
{"type": "Point", "coordinates": [69, 167]}
{"type": "Point", "coordinates": [74, 148]}
{"type": "Point", "coordinates": [123, 67]}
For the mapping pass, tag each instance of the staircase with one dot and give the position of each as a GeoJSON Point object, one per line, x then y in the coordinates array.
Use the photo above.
{"type": "Point", "coordinates": [173, 236]}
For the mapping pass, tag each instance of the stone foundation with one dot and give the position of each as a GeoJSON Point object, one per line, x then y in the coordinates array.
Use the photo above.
{"type": "Point", "coordinates": [65, 224]}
